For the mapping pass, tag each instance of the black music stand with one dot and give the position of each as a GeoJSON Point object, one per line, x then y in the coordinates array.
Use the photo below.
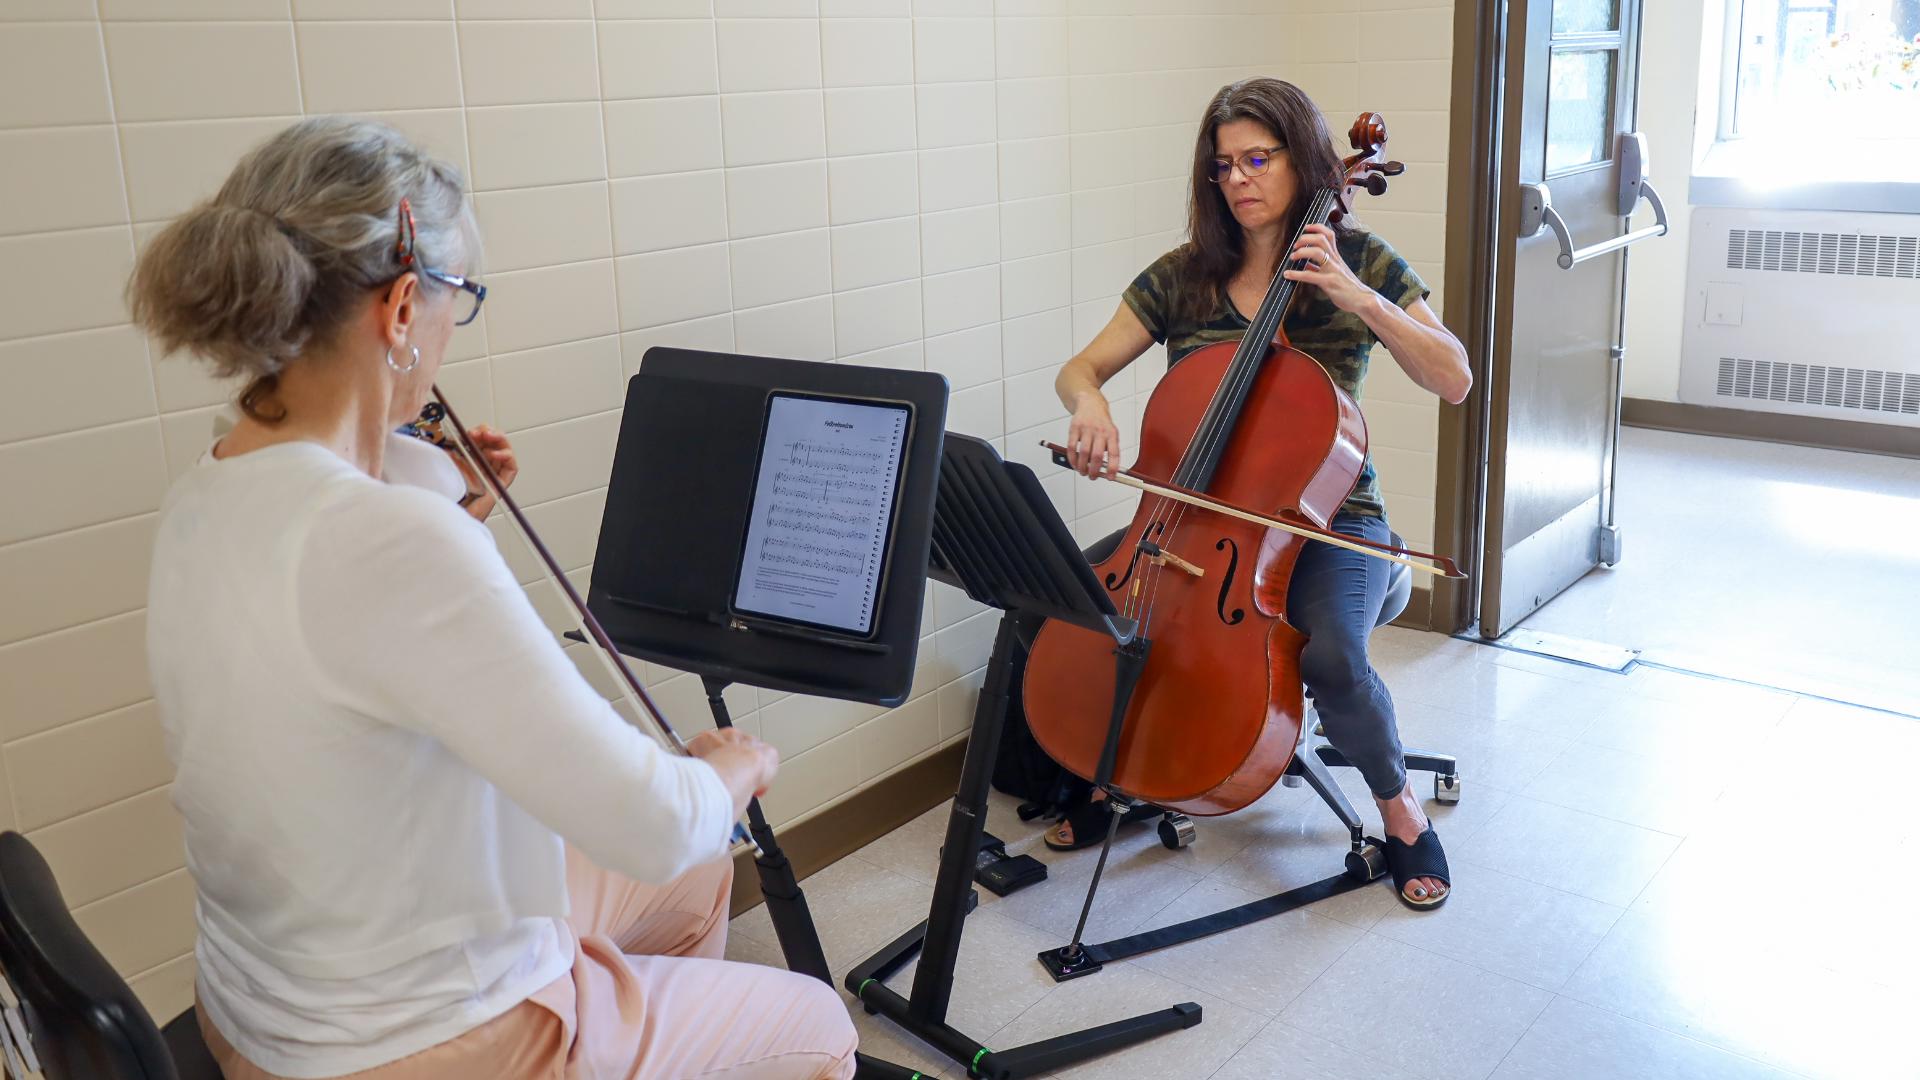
{"type": "Point", "coordinates": [679, 506]}
{"type": "Point", "coordinates": [997, 536]}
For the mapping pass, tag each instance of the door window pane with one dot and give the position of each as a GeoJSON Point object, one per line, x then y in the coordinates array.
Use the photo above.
{"type": "Point", "coordinates": [1581, 16]}
{"type": "Point", "coordinates": [1579, 108]}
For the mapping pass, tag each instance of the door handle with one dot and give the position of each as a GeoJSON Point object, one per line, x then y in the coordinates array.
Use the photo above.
{"type": "Point", "coordinates": [1536, 211]}
{"type": "Point", "coordinates": [1536, 206]}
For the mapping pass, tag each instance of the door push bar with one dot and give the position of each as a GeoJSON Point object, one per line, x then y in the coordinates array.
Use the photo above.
{"type": "Point", "coordinates": [1536, 206]}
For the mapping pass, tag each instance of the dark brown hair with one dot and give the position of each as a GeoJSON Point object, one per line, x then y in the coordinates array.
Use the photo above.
{"type": "Point", "coordinates": [1216, 243]}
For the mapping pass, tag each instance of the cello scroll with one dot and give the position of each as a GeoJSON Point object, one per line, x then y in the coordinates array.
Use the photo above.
{"type": "Point", "coordinates": [1364, 169]}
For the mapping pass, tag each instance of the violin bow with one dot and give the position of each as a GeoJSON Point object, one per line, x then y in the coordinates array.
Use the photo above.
{"type": "Point", "coordinates": [1298, 527]}
{"type": "Point", "coordinates": [610, 656]}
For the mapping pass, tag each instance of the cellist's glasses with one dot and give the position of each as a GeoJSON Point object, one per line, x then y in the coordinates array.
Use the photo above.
{"type": "Point", "coordinates": [1252, 163]}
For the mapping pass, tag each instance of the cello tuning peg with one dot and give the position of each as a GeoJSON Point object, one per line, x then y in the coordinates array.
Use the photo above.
{"type": "Point", "coordinates": [1391, 168]}
{"type": "Point", "coordinates": [1376, 184]}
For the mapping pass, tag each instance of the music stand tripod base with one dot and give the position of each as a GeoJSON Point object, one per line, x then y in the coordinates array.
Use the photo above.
{"type": "Point", "coordinates": [997, 537]}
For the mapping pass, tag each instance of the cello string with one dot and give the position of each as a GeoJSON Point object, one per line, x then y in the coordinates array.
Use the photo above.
{"type": "Point", "coordinates": [1208, 434]}
{"type": "Point", "coordinates": [1212, 431]}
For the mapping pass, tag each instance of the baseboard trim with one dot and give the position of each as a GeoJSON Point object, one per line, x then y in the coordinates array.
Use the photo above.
{"type": "Point", "coordinates": [823, 839]}
{"type": "Point", "coordinates": [1419, 613]}
{"type": "Point", "coordinates": [1816, 431]}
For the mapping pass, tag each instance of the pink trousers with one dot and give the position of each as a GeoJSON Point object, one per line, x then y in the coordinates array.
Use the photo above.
{"type": "Point", "coordinates": [672, 1010]}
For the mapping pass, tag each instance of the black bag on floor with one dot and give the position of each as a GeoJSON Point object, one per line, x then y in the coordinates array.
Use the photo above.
{"type": "Point", "coordinates": [1022, 769]}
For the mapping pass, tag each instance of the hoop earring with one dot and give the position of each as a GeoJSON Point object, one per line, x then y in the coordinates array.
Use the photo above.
{"type": "Point", "coordinates": [411, 364]}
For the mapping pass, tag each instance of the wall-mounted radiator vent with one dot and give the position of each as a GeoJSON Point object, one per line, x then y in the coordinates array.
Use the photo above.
{"type": "Point", "coordinates": [1816, 384]}
{"type": "Point", "coordinates": [1808, 312]}
{"type": "Point", "coordinates": [1793, 251]}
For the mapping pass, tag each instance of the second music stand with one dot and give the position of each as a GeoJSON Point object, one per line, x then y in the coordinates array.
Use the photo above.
{"type": "Point", "coordinates": [997, 537]}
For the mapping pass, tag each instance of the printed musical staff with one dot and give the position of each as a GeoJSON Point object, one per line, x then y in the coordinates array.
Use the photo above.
{"type": "Point", "coordinates": [817, 540]}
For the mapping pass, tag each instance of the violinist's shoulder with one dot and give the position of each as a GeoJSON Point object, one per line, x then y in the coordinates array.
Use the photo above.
{"type": "Point", "coordinates": [357, 511]}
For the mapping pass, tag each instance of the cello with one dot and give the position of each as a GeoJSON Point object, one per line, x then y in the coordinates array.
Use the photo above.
{"type": "Point", "coordinates": [1256, 448]}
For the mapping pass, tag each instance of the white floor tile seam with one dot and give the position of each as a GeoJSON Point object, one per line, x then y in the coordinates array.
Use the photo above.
{"type": "Point", "coordinates": [1628, 906]}
{"type": "Point", "coordinates": [1517, 1040]}
{"type": "Point", "coordinates": [1674, 1031]}
{"type": "Point", "coordinates": [1535, 1022]}
{"type": "Point", "coordinates": [1826, 692]}
{"type": "Point", "coordinates": [1262, 1030]}
{"type": "Point", "coordinates": [1553, 989]}
{"type": "Point", "coordinates": [1291, 998]}
{"type": "Point", "coordinates": [1701, 810]}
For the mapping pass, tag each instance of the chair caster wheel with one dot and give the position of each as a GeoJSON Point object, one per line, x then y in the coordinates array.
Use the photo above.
{"type": "Point", "coordinates": [1367, 864]}
{"type": "Point", "coordinates": [1291, 780]}
{"type": "Point", "coordinates": [1447, 788]}
{"type": "Point", "coordinates": [1176, 831]}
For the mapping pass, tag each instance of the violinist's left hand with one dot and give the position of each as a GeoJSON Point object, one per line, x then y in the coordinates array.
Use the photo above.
{"type": "Point", "coordinates": [1329, 271]}
{"type": "Point", "coordinates": [505, 463]}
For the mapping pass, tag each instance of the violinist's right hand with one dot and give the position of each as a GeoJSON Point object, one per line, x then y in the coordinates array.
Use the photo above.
{"type": "Point", "coordinates": [745, 764]}
{"type": "Point", "coordinates": [1093, 440]}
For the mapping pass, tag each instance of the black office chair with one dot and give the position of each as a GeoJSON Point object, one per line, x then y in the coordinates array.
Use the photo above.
{"type": "Point", "coordinates": [68, 1014]}
{"type": "Point", "coordinates": [1313, 757]}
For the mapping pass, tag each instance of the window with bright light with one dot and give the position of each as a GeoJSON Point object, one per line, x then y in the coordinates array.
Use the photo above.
{"type": "Point", "coordinates": [1816, 70]}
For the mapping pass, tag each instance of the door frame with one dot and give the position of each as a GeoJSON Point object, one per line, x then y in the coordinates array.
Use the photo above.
{"type": "Point", "coordinates": [1475, 280]}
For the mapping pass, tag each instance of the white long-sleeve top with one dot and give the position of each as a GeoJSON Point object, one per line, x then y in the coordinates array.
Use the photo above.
{"type": "Point", "coordinates": [379, 750]}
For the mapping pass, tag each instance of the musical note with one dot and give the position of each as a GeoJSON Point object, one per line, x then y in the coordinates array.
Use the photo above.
{"type": "Point", "coordinates": [816, 542]}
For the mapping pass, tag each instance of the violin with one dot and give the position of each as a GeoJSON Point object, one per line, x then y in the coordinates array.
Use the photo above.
{"type": "Point", "coordinates": [430, 428]}
{"type": "Point", "coordinates": [480, 480]}
{"type": "Point", "coordinates": [1246, 451]}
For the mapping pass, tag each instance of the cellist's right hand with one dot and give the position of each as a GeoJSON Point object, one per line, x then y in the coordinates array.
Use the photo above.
{"type": "Point", "coordinates": [1093, 441]}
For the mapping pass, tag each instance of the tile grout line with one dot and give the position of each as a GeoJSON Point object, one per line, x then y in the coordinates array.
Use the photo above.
{"type": "Point", "coordinates": [1531, 1024]}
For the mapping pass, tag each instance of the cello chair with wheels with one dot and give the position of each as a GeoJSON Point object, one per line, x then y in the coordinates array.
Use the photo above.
{"type": "Point", "coordinates": [68, 1014]}
{"type": "Point", "coordinates": [1313, 757]}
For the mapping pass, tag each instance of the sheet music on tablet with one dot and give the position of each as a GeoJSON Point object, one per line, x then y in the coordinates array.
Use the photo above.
{"type": "Point", "coordinates": [822, 505]}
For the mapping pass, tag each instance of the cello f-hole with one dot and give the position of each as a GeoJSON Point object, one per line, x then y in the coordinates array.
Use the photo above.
{"type": "Point", "coordinates": [1233, 563]}
{"type": "Point", "coordinates": [1151, 531]}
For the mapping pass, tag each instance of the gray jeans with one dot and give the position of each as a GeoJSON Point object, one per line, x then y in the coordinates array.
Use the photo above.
{"type": "Point", "coordinates": [1334, 598]}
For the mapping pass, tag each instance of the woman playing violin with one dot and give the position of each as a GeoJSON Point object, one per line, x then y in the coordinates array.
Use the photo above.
{"type": "Point", "coordinates": [424, 847]}
{"type": "Point", "coordinates": [1262, 152]}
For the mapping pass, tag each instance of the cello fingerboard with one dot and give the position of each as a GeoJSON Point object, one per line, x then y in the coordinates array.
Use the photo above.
{"type": "Point", "coordinates": [1203, 454]}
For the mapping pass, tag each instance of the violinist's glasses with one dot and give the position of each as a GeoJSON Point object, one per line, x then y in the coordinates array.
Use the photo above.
{"type": "Point", "coordinates": [403, 252]}
{"type": "Point", "coordinates": [1252, 163]}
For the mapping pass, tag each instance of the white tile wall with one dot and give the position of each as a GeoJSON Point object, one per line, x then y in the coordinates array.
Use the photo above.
{"type": "Point", "coordinates": [957, 185]}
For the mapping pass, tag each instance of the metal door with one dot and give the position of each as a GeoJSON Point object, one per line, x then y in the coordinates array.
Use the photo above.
{"type": "Point", "coordinates": [1573, 172]}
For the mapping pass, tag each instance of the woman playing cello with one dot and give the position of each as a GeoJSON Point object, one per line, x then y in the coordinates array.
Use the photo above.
{"type": "Point", "coordinates": [1261, 153]}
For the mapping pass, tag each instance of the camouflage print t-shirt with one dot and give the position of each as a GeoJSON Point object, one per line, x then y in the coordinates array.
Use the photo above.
{"type": "Point", "coordinates": [1339, 340]}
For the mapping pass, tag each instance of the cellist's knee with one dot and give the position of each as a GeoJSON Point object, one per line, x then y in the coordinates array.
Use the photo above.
{"type": "Point", "coordinates": [1334, 668]}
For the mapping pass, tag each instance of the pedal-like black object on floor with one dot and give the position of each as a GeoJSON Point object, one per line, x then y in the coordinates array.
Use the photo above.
{"type": "Point", "coordinates": [1001, 873]}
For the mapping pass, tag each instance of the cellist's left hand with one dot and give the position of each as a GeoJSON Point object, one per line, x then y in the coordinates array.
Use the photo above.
{"type": "Point", "coordinates": [493, 445]}
{"type": "Point", "coordinates": [1329, 272]}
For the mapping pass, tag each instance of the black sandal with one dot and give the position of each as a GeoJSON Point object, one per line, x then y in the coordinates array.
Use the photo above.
{"type": "Point", "coordinates": [1089, 823]}
{"type": "Point", "coordinates": [1423, 858]}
